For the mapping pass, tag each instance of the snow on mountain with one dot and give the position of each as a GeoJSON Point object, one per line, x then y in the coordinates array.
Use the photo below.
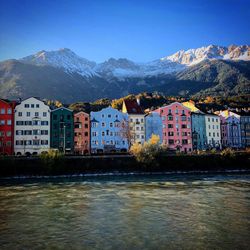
{"type": "Point", "coordinates": [63, 58]}
{"type": "Point", "coordinates": [193, 56]}
{"type": "Point", "coordinates": [123, 68]}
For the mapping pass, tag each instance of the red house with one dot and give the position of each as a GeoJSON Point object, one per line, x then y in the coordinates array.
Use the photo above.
{"type": "Point", "coordinates": [7, 127]}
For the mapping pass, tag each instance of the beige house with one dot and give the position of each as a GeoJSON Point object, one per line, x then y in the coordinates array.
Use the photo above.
{"type": "Point", "coordinates": [136, 121]}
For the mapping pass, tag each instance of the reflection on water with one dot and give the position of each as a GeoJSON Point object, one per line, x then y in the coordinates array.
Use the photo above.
{"type": "Point", "coordinates": [133, 212]}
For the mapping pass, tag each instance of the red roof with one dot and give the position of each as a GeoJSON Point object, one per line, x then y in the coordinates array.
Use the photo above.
{"type": "Point", "coordinates": [133, 107]}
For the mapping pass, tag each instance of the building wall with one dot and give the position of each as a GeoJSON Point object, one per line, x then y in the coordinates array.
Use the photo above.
{"type": "Point", "coordinates": [198, 131]}
{"type": "Point", "coordinates": [230, 129]}
{"type": "Point", "coordinates": [32, 127]}
{"type": "Point", "coordinates": [177, 131]}
{"type": "Point", "coordinates": [137, 128]}
{"type": "Point", "coordinates": [81, 133]}
{"type": "Point", "coordinates": [245, 130]}
{"type": "Point", "coordinates": [109, 130]}
{"type": "Point", "coordinates": [62, 130]}
{"type": "Point", "coordinates": [6, 127]}
{"type": "Point", "coordinates": [213, 131]}
{"type": "Point", "coordinates": [153, 125]}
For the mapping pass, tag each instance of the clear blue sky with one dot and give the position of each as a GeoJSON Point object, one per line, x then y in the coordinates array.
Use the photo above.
{"type": "Point", "coordinates": [138, 30]}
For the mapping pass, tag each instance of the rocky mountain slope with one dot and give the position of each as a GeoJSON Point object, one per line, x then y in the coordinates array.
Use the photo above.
{"type": "Point", "coordinates": [63, 75]}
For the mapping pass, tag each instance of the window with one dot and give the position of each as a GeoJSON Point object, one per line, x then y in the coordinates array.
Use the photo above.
{"type": "Point", "coordinates": [2, 111]}
{"type": "Point", "coordinates": [94, 133]}
{"type": "Point", "coordinates": [44, 114]}
{"type": "Point", "coordinates": [32, 105]}
{"type": "Point", "coordinates": [19, 123]}
{"type": "Point", "coordinates": [103, 124]}
{"type": "Point", "coordinates": [20, 114]}
{"type": "Point", "coordinates": [103, 133]}
{"type": "Point", "coordinates": [1, 133]}
{"type": "Point", "coordinates": [44, 132]}
{"type": "Point", "coordinates": [36, 123]}
{"type": "Point", "coordinates": [36, 142]}
{"type": "Point", "coordinates": [163, 118]}
{"type": "Point", "coordinates": [9, 111]}
{"type": "Point", "coordinates": [170, 141]}
{"type": "Point", "coordinates": [19, 132]}
{"type": "Point", "coordinates": [170, 126]}
{"type": "Point", "coordinates": [9, 122]}
{"type": "Point", "coordinates": [176, 111]}
{"type": "Point", "coordinates": [44, 142]}
{"type": "Point", "coordinates": [37, 105]}
{"type": "Point", "coordinates": [183, 126]}
{"type": "Point", "coordinates": [86, 119]}
{"type": "Point", "coordinates": [184, 141]}
{"type": "Point", "coordinates": [27, 113]}
{"type": "Point", "coordinates": [86, 134]}
{"type": "Point", "coordinates": [44, 123]}
{"type": "Point", "coordinates": [27, 123]}
{"type": "Point", "coordinates": [183, 112]}
{"type": "Point", "coordinates": [170, 133]}
{"type": "Point", "coordinates": [36, 132]}
{"type": "Point", "coordinates": [111, 124]}
{"type": "Point", "coordinates": [109, 116]}
{"type": "Point", "coordinates": [28, 132]}
{"type": "Point", "coordinates": [8, 143]}
{"type": "Point", "coordinates": [86, 125]}
{"type": "Point", "coordinates": [26, 105]}
{"type": "Point", "coordinates": [170, 118]}
{"type": "Point", "coordinates": [183, 118]}
{"type": "Point", "coordinates": [2, 122]}
{"type": "Point", "coordinates": [36, 114]}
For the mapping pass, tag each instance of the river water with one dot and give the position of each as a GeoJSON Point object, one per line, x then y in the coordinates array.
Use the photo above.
{"type": "Point", "coordinates": [126, 212]}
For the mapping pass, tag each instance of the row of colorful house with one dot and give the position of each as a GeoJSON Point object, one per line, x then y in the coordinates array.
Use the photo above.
{"type": "Point", "coordinates": [32, 127]}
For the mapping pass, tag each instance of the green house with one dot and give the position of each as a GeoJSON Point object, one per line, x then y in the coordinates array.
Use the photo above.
{"type": "Point", "coordinates": [62, 130]}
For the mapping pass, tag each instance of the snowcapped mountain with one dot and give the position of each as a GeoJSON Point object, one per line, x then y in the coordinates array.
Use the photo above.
{"type": "Point", "coordinates": [193, 56]}
{"type": "Point", "coordinates": [123, 68]}
{"type": "Point", "coordinates": [63, 58]}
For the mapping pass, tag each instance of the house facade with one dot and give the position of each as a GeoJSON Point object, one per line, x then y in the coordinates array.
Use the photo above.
{"type": "Point", "coordinates": [198, 131]}
{"type": "Point", "coordinates": [136, 120]}
{"type": "Point", "coordinates": [153, 125]}
{"type": "Point", "coordinates": [32, 127]}
{"type": "Point", "coordinates": [245, 128]}
{"type": "Point", "coordinates": [7, 127]}
{"type": "Point", "coordinates": [81, 133]}
{"type": "Point", "coordinates": [213, 131]}
{"type": "Point", "coordinates": [109, 131]}
{"type": "Point", "coordinates": [230, 129]}
{"type": "Point", "coordinates": [198, 126]}
{"type": "Point", "coordinates": [177, 131]}
{"type": "Point", "coordinates": [62, 130]}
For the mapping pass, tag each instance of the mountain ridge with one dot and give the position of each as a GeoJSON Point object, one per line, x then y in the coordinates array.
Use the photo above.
{"type": "Point", "coordinates": [65, 76]}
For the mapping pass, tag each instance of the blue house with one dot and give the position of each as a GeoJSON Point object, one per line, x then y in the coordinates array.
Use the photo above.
{"type": "Point", "coordinates": [109, 131]}
{"type": "Point", "coordinates": [153, 123]}
{"type": "Point", "coordinates": [198, 130]}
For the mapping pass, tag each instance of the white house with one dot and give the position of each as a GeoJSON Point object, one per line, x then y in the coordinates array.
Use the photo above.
{"type": "Point", "coordinates": [32, 127]}
{"type": "Point", "coordinates": [213, 131]}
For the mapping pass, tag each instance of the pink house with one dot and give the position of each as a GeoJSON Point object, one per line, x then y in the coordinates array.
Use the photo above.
{"type": "Point", "coordinates": [177, 131]}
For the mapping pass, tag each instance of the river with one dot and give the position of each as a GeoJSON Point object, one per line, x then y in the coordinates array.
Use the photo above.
{"type": "Point", "coordinates": [172, 211]}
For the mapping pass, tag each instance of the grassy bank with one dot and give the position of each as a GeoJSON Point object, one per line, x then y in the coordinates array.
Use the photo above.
{"type": "Point", "coordinates": [71, 165]}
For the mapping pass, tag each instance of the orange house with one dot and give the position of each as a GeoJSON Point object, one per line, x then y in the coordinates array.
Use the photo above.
{"type": "Point", "coordinates": [82, 133]}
